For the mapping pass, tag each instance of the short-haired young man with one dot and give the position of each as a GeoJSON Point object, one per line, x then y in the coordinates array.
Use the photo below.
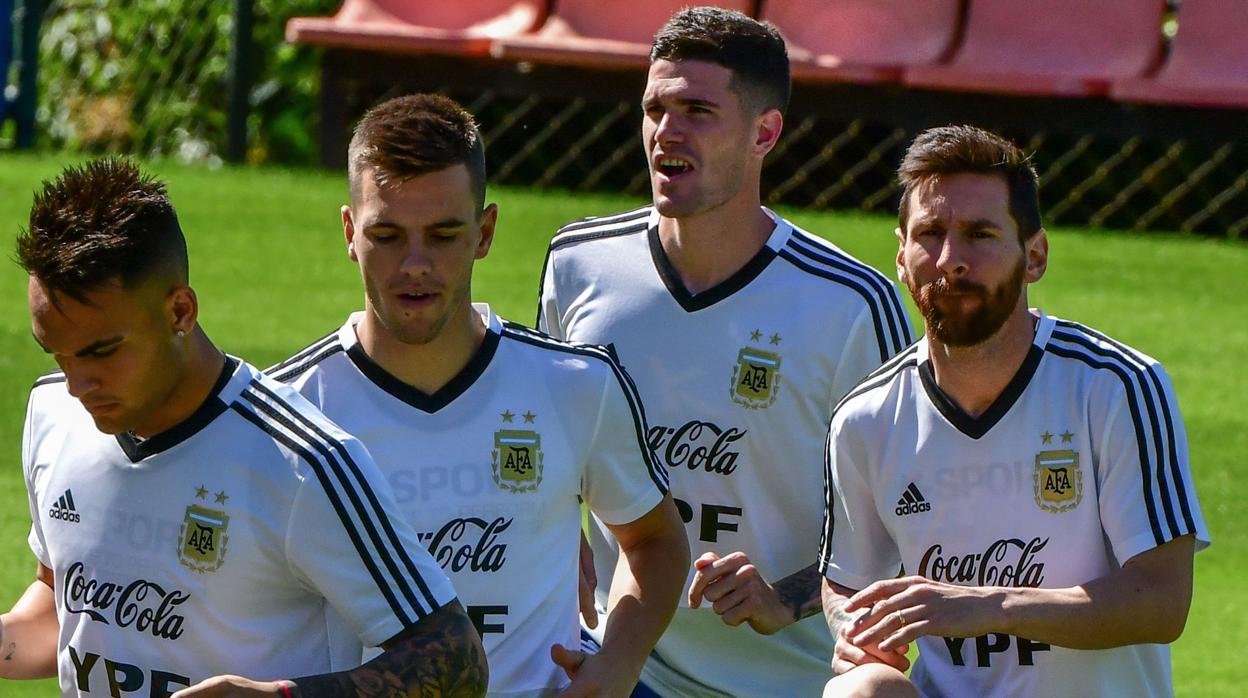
{"type": "Point", "coordinates": [1030, 474]}
{"type": "Point", "coordinates": [742, 332]}
{"type": "Point", "coordinates": [491, 433]}
{"type": "Point", "coordinates": [261, 514]}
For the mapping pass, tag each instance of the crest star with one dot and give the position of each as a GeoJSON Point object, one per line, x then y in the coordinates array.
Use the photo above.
{"type": "Point", "coordinates": [201, 492]}
{"type": "Point", "coordinates": [507, 416]}
{"type": "Point", "coordinates": [1047, 437]}
{"type": "Point", "coordinates": [1067, 437]}
{"type": "Point", "coordinates": [755, 336]}
{"type": "Point", "coordinates": [529, 416]}
{"type": "Point", "coordinates": [220, 497]}
{"type": "Point", "coordinates": [775, 339]}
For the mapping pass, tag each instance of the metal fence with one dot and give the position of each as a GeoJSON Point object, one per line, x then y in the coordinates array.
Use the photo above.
{"type": "Point", "coordinates": [154, 78]}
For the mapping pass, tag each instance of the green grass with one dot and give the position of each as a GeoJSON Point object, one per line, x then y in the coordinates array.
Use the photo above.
{"type": "Point", "coordinates": [269, 265]}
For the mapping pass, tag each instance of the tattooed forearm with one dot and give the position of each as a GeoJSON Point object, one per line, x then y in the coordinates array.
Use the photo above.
{"type": "Point", "coordinates": [800, 592]}
{"type": "Point", "coordinates": [439, 656]}
{"type": "Point", "coordinates": [835, 597]}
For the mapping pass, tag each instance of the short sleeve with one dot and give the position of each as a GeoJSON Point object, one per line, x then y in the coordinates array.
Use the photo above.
{"type": "Point", "coordinates": [38, 545]}
{"type": "Point", "coordinates": [347, 540]}
{"type": "Point", "coordinates": [1144, 482]}
{"type": "Point", "coordinates": [623, 481]}
{"type": "Point", "coordinates": [856, 548]}
{"type": "Point", "coordinates": [860, 355]}
{"type": "Point", "coordinates": [548, 317]}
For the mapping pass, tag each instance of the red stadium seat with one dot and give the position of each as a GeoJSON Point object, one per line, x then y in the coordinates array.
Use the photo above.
{"type": "Point", "coordinates": [863, 40]}
{"type": "Point", "coordinates": [599, 34]}
{"type": "Point", "coordinates": [1208, 63]}
{"type": "Point", "coordinates": [1071, 48]}
{"type": "Point", "coordinates": [424, 26]}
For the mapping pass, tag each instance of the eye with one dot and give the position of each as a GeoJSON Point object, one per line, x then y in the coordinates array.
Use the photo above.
{"type": "Point", "coordinates": [103, 353]}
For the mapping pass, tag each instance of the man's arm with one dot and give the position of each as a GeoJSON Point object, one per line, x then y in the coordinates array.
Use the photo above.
{"type": "Point", "coordinates": [645, 589]}
{"type": "Point", "coordinates": [28, 632]}
{"type": "Point", "coordinates": [1145, 601]}
{"type": "Point", "coordinates": [439, 656]}
{"type": "Point", "coordinates": [739, 594]}
{"type": "Point", "coordinates": [846, 655]}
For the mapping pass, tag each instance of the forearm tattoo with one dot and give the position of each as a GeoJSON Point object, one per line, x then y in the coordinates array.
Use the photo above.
{"type": "Point", "coordinates": [800, 592]}
{"type": "Point", "coordinates": [439, 656]}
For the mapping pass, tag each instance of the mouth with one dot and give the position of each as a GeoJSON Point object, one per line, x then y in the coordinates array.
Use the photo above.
{"type": "Point", "coordinates": [100, 408]}
{"type": "Point", "coordinates": [672, 166]}
{"type": "Point", "coordinates": [416, 298]}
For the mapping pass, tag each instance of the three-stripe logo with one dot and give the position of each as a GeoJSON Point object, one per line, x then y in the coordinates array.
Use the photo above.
{"type": "Point", "coordinates": [64, 509]}
{"type": "Point", "coordinates": [912, 502]}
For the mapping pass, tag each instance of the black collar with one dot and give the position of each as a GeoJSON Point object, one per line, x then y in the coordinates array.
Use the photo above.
{"type": "Point", "coordinates": [414, 397]}
{"type": "Point", "coordinates": [975, 427]}
{"type": "Point", "coordinates": [690, 302]}
{"type": "Point", "coordinates": [137, 449]}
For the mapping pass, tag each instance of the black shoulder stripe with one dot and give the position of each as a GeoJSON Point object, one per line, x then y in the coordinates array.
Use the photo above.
{"type": "Point", "coordinates": [289, 370]}
{"type": "Point", "coordinates": [521, 334]}
{"type": "Point", "coordinates": [565, 239]}
{"type": "Point", "coordinates": [568, 236]}
{"type": "Point", "coordinates": [1147, 477]}
{"type": "Point", "coordinates": [596, 221]}
{"type": "Point", "coordinates": [898, 324]}
{"type": "Point", "coordinates": [341, 470]}
{"type": "Point", "coordinates": [56, 377]}
{"type": "Point", "coordinates": [882, 338]}
{"type": "Point", "coordinates": [829, 523]}
{"type": "Point", "coordinates": [878, 379]}
{"type": "Point", "coordinates": [304, 353]}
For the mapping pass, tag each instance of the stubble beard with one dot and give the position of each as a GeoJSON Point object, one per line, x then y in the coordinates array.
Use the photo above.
{"type": "Point", "coordinates": [974, 327]}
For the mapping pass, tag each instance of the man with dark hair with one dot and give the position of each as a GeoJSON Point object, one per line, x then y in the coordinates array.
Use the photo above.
{"type": "Point", "coordinates": [258, 503]}
{"type": "Point", "coordinates": [1030, 474]}
{"type": "Point", "coordinates": [742, 332]}
{"type": "Point", "coordinates": [492, 433]}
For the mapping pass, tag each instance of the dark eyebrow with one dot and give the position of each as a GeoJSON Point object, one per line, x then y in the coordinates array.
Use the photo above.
{"type": "Point", "coordinates": [85, 351]}
{"type": "Point", "coordinates": [980, 223]}
{"type": "Point", "coordinates": [447, 224]}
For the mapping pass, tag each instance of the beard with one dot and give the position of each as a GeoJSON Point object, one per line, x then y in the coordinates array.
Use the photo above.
{"type": "Point", "coordinates": [965, 329]}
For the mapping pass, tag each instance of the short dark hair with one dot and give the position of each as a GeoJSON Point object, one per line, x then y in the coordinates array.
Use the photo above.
{"type": "Point", "coordinates": [962, 149]}
{"type": "Point", "coordinates": [753, 51]}
{"type": "Point", "coordinates": [104, 221]}
{"type": "Point", "coordinates": [414, 135]}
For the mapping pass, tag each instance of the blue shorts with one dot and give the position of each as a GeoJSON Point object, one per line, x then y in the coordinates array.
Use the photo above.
{"type": "Point", "coordinates": [590, 646]}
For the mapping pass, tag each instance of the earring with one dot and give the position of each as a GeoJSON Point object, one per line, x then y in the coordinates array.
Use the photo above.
{"type": "Point", "coordinates": [181, 334]}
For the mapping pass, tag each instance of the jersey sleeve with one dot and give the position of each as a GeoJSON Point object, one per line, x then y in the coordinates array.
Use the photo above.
{"type": "Point", "coordinates": [549, 320]}
{"type": "Point", "coordinates": [347, 539]}
{"type": "Point", "coordinates": [1144, 482]}
{"type": "Point", "coordinates": [867, 346]}
{"type": "Point", "coordinates": [38, 544]}
{"type": "Point", "coordinates": [623, 481]}
{"type": "Point", "coordinates": [856, 548]}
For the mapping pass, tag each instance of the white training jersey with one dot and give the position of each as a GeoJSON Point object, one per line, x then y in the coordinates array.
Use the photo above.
{"type": "Point", "coordinates": [739, 384]}
{"type": "Point", "coordinates": [1078, 466]}
{"type": "Point", "coordinates": [490, 470]}
{"type": "Point", "coordinates": [215, 547]}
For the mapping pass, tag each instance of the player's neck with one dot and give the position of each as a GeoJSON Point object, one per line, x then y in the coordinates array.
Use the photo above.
{"type": "Point", "coordinates": [204, 363]}
{"type": "Point", "coordinates": [429, 366]}
{"type": "Point", "coordinates": [974, 377]}
{"type": "Point", "coordinates": [707, 249]}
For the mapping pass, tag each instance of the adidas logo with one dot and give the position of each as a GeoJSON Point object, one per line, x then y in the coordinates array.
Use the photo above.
{"type": "Point", "coordinates": [64, 509]}
{"type": "Point", "coordinates": [912, 502]}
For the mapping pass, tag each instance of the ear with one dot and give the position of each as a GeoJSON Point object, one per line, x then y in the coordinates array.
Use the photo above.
{"type": "Point", "coordinates": [182, 309]}
{"type": "Point", "coordinates": [348, 231]}
{"type": "Point", "coordinates": [767, 132]}
{"type": "Point", "coordinates": [1036, 248]}
{"type": "Point", "coordinates": [901, 256]}
{"type": "Point", "coordinates": [489, 219]}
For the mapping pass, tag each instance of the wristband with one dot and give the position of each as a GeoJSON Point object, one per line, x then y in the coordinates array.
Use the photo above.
{"type": "Point", "coordinates": [285, 686]}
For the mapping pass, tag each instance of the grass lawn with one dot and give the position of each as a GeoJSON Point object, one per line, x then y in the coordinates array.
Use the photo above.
{"type": "Point", "coordinates": [270, 268]}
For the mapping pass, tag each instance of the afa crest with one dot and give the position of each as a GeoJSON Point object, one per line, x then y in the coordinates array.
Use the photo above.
{"type": "Point", "coordinates": [756, 375]}
{"type": "Point", "coordinates": [203, 539]}
{"type": "Point", "coordinates": [1058, 480]}
{"type": "Point", "coordinates": [517, 459]}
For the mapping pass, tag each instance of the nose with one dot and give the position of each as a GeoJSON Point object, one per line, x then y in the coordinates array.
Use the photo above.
{"type": "Point", "coordinates": [416, 259]}
{"type": "Point", "coordinates": [78, 381]}
{"type": "Point", "coordinates": [952, 260]}
{"type": "Point", "coordinates": [668, 129]}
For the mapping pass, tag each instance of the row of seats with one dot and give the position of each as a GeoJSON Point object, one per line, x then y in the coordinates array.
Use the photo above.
{"type": "Point", "coordinates": [1067, 48]}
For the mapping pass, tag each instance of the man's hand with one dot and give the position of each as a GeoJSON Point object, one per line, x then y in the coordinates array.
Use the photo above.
{"type": "Point", "coordinates": [588, 581]}
{"type": "Point", "coordinates": [846, 655]}
{"type": "Point", "coordinates": [906, 608]}
{"type": "Point", "coordinates": [230, 687]}
{"type": "Point", "coordinates": [739, 594]}
{"type": "Point", "coordinates": [592, 674]}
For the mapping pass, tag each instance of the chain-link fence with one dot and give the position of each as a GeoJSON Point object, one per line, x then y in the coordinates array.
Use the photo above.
{"type": "Point", "coordinates": [152, 78]}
